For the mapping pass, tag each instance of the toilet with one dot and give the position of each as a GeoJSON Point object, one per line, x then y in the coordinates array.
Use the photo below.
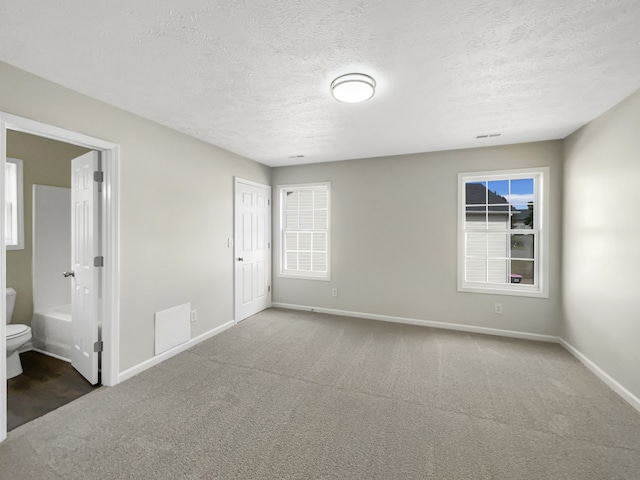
{"type": "Point", "coordinates": [17, 335]}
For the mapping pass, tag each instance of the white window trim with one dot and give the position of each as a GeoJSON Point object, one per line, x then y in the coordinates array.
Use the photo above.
{"type": "Point", "coordinates": [541, 218]}
{"type": "Point", "coordinates": [19, 205]}
{"type": "Point", "coordinates": [281, 272]}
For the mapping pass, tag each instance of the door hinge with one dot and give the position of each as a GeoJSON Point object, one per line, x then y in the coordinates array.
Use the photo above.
{"type": "Point", "coordinates": [98, 176]}
{"type": "Point", "coordinates": [98, 261]}
{"type": "Point", "coordinates": [269, 288]}
{"type": "Point", "coordinates": [269, 202]}
{"type": "Point", "coordinates": [268, 244]}
{"type": "Point", "coordinates": [98, 346]}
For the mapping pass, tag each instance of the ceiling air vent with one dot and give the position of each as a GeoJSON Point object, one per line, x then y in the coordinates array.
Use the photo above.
{"type": "Point", "coordinates": [488, 135]}
{"type": "Point", "coordinates": [296, 156]}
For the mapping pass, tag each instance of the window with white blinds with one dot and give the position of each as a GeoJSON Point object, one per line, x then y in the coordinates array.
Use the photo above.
{"type": "Point", "coordinates": [13, 198]}
{"type": "Point", "coordinates": [503, 232]}
{"type": "Point", "coordinates": [304, 232]}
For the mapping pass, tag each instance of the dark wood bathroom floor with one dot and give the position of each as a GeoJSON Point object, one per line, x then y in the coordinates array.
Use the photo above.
{"type": "Point", "coordinates": [46, 384]}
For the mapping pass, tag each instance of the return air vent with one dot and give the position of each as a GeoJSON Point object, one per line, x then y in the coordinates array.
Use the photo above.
{"type": "Point", "coordinates": [488, 135]}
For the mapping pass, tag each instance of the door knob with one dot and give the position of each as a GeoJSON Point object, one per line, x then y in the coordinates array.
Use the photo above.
{"type": "Point", "coordinates": [240, 259]}
{"type": "Point", "coordinates": [70, 273]}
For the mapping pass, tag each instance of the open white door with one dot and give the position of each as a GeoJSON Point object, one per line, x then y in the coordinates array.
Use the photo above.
{"type": "Point", "coordinates": [252, 248]}
{"type": "Point", "coordinates": [84, 272]}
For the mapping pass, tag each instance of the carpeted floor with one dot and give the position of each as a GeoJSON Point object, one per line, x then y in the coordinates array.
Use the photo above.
{"type": "Point", "coordinates": [293, 395]}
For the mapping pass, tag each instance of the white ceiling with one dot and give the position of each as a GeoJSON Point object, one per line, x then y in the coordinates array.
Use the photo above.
{"type": "Point", "coordinates": [253, 76]}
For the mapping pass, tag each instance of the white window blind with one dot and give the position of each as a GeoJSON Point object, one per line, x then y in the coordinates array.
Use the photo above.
{"type": "Point", "coordinates": [503, 232]}
{"type": "Point", "coordinates": [14, 222]}
{"type": "Point", "coordinates": [305, 230]}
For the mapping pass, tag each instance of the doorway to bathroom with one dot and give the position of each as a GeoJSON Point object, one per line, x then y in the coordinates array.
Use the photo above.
{"type": "Point", "coordinates": [60, 203]}
{"type": "Point", "coordinates": [90, 261]}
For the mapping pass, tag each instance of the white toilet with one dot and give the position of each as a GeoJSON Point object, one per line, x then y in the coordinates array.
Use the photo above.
{"type": "Point", "coordinates": [17, 335]}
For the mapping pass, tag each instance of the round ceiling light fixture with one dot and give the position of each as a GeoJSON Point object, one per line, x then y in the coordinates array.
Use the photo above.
{"type": "Point", "coordinates": [353, 88]}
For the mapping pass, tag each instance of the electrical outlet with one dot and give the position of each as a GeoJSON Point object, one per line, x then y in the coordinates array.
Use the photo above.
{"type": "Point", "coordinates": [497, 308]}
{"type": "Point", "coordinates": [194, 316]}
{"type": "Point", "coordinates": [334, 292]}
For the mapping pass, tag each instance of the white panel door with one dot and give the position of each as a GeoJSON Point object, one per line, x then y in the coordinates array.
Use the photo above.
{"type": "Point", "coordinates": [252, 248]}
{"type": "Point", "coordinates": [84, 248]}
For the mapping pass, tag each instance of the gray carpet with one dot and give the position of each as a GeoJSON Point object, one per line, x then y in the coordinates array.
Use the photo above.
{"type": "Point", "coordinates": [293, 395]}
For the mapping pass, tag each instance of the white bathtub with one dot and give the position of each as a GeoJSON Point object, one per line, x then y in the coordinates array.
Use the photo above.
{"type": "Point", "coordinates": [51, 330]}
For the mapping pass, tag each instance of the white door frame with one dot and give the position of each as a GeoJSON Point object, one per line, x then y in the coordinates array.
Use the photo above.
{"type": "Point", "coordinates": [236, 181]}
{"type": "Point", "coordinates": [110, 307]}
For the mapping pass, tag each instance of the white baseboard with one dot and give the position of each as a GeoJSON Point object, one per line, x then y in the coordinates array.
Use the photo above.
{"type": "Point", "coordinates": [141, 367]}
{"type": "Point", "coordinates": [53, 349]}
{"type": "Point", "coordinates": [27, 347]}
{"type": "Point", "coordinates": [44, 352]}
{"type": "Point", "coordinates": [425, 323]}
{"type": "Point", "coordinates": [602, 375]}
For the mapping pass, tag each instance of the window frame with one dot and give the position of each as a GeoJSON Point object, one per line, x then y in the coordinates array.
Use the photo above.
{"type": "Point", "coordinates": [19, 208]}
{"type": "Point", "coordinates": [281, 270]}
{"type": "Point", "coordinates": [540, 218]}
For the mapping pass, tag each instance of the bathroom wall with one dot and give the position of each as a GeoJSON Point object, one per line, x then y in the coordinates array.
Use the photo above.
{"type": "Point", "coordinates": [45, 162]}
{"type": "Point", "coordinates": [51, 246]}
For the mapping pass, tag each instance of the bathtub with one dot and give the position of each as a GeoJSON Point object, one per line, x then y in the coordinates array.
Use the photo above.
{"type": "Point", "coordinates": [52, 333]}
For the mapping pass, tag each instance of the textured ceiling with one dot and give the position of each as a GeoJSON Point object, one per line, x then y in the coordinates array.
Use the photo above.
{"type": "Point", "coordinates": [253, 76]}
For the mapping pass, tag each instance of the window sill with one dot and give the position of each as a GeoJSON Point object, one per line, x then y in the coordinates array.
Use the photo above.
{"type": "Point", "coordinates": [323, 278]}
{"type": "Point", "coordinates": [534, 292]}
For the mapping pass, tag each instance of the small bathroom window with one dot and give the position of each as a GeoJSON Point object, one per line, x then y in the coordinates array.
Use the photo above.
{"type": "Point", "coordinates": [14, 214]}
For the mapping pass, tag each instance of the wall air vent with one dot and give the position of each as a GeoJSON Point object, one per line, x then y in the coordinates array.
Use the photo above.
{"type": "Point", "coordinates": [488, 135]}
{"type": "Point", "coordinates": [296, 156]}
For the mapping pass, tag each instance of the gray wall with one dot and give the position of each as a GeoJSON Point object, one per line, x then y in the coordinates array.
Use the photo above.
{"type": "Point", "coordinates": [176, 208]}
{"type": "Point", "coordinates": [602, 253]}
{"type": "Point", "coordinates": [394, 238]}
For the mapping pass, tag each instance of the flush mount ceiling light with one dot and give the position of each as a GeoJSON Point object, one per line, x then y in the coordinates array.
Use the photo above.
{"type": "Point", "coordinates": [353, 88]}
